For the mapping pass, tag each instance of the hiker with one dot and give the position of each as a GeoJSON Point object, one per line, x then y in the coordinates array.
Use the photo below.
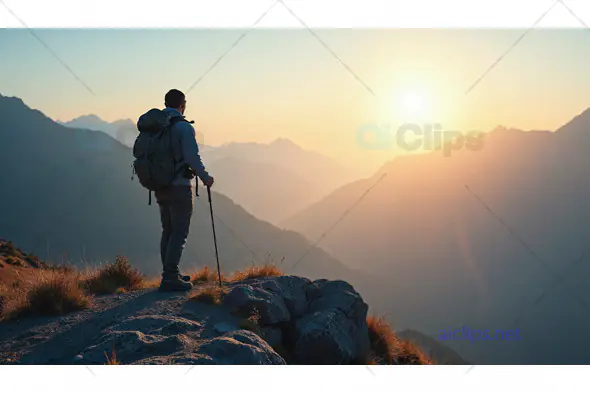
{"type": "Point", "coordinates": [169, 137]}
{"type": "Point", "coordinates": [176, 202]}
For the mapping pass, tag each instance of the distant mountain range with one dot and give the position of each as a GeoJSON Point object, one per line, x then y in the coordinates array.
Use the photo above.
{"type": "Point", "coordinates": [266, 190]}
{"type": "Point", "coordinates": [272, 181]}
{"type": "Point", "coordinates": [124, 131]}
{"type": "Point", "coordinates": [323, 172]}
{"type": "Point", "coordinates": [491, 239]}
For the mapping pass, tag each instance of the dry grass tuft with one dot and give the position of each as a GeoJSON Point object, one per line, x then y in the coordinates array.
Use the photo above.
{"type": "Point", "coordinates": [210, 294]}
{"type": "Point", "coordinates": [266, 270]}
{"type": "Point", "coordinates": [152, 282]}
{"type": "Point", "coordinates": [54, 293]}
{"type": "Point", "coordinates": [112, 360]}
{"type": "Point", "coordinates": [118, 276]}
{"type": "Point", "coordinates": [29, 286]}
{"type": "Point", "coordinates": [206, 275]}
{"type": "Point", "coordinates": [409, 353]}
{"type": "Point", "coordinates": [388, 348]}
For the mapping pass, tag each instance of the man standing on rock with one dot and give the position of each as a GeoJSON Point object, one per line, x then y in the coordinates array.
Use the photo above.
{"type": "Point", "coordinates": [176, 201]}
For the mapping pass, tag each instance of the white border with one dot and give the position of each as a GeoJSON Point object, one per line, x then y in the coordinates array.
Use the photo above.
{"type": "Point", "coordinates": [286, 379]}
{"type": "Point", "coordinates": [315, 13]}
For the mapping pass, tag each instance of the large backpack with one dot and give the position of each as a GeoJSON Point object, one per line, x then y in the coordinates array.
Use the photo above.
{"type": "Point", "coordinates": [155, 164]}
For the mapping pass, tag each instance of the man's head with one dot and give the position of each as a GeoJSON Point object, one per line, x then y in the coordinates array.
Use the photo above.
{"type": "Point", "coordinates": [175, 99]}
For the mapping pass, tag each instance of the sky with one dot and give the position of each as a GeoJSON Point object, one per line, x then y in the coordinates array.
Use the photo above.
{"type": "Point", "coordinates": [284, 83]}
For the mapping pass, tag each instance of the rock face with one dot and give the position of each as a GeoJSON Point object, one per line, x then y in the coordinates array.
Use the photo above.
{"type": "Point", "coordinates": [322, 322]}
{"type": "Point", "coordinates": [270, 321]}
{"type": "Point", "coordinates": [240, 347]}
{"type": "Point", "coordinates": [140, 337]}
{"type": "Point", "coordinates": [334, 330]}
{"type": "Point", "coordinates": [268, 304]}
{"type": "Point", "coordinates": [155, 339]}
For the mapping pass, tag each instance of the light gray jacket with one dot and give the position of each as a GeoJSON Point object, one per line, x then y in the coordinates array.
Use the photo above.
{"type": "Point", "coordinates": [186, 148]}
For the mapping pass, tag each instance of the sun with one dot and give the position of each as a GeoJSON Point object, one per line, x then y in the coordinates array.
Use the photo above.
{"type": "Point", "coordinates": [414, 104]}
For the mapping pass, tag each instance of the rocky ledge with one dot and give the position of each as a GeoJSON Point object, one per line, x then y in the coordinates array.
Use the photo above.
{"type": "Point", "coordinates": [272, 320]}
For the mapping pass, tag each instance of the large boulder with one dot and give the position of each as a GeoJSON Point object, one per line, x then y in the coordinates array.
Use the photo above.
{"type": "Point", "coordinates": [325, 337]}
{"type": "Point", "coordinates": [320, 322]}
{"type": "Point", "coordinates": [276, 299]}
{"type": "Point", "coordinates": [240, 347]}
{"type": "Point", "coordinates": [247, 299]}
{"type": "Point", "coordinates": [334, 331]}
{"type": "Point", "coordinates": [325, 294]}
{"type": "Point", "coordinates": [292, 290]}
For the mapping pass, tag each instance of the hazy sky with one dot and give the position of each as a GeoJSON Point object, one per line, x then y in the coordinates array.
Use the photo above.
{"type": "Point", "coordinates": [284, 83]}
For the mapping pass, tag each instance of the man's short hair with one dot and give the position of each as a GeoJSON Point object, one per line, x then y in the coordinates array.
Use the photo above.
{"type": "Point", "coordinates": [174, 99]}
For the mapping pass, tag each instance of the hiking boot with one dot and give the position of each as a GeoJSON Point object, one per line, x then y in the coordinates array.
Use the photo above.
{"type": "Point", "coordinates": [175, 284]}
{"type": "Point", "coordinates": [185, 278]}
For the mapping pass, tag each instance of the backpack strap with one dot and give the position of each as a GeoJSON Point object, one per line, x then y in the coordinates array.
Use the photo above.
{"type": "Point", "coordinates": [173, 121]}
{"type": "Point", "coordinates": [181, 119]}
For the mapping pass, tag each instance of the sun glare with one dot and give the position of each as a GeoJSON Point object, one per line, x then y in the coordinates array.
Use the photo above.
{"type": "Point", "coordinates": [414, 103]}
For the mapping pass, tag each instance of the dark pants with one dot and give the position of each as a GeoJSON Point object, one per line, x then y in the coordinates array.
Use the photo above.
{"type": "Point", "coordinates": [176, 209]}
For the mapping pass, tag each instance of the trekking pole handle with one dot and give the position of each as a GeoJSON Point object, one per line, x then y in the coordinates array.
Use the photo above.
{"type": "Point", "coordinates": [209, 193]}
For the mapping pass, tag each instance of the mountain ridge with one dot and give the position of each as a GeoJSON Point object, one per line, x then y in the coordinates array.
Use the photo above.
{"type": "Point", "coordinates": [268, 172]}
{"type": "Point", "coordinates": [459, 225]}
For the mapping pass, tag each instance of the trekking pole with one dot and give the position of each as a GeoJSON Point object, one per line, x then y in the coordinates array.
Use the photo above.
{"type": "Point", "coordinates": [214, 235]}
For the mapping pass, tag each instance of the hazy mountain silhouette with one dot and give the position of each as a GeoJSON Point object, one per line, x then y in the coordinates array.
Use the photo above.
{"type": "Point", "coordinates": [124, 130]}
{"type": "Point", "coordinates": [446, 261]}
{"type": "Point", "coordinates": [324, 173]}
{"type": "Point", "coordinates": [63, 196]}
{"type": "Point", "coordinates": [272, 181]}
{"type": "Point", "coordinates": [268, 191]}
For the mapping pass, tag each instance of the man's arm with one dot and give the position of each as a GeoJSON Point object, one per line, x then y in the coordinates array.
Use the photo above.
{"type": "Point", "coordinates": [190, 152]}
